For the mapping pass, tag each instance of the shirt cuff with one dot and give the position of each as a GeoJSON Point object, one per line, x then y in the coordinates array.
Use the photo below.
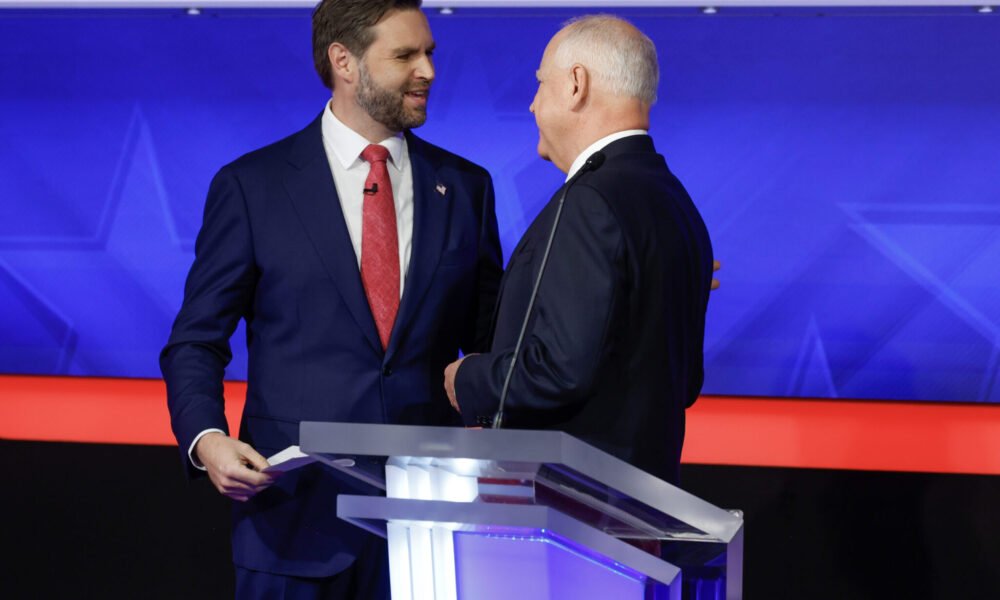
{"type": "Point", "coordinates": [194, 460]}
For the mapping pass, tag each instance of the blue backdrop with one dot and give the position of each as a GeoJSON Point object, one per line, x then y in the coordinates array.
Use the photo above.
{"type": "Point", "coordinates": [847, 165]}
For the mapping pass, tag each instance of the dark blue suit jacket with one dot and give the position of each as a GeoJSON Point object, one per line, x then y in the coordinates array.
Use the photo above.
{"type": "Point", "coordinates": [274, 250]}
{"type": "Point", "coordinates": [613, 352]}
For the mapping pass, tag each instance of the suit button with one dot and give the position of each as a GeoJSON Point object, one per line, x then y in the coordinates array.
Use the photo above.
{"type": "Point", "coordinates": [387, 370]}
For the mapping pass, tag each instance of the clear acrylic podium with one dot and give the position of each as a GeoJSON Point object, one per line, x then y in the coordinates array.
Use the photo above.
{"type": "Point", "coordinates": [514, 514]}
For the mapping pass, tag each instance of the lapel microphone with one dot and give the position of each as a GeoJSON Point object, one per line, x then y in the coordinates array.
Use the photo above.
{"type": "Point", "coordinates": [371, 191]}
{"type": "Point", "coordinates": [593, 163]}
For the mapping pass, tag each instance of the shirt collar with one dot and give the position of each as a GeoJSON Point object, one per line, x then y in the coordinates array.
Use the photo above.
{"type": "Point", "coordinates": [348, 144]}
{"type": "Point", "coordinates": [599, 145]}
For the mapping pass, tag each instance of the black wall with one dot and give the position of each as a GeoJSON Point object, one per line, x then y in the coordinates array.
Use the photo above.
{"type": "Point", "coordinates": [103, 521]}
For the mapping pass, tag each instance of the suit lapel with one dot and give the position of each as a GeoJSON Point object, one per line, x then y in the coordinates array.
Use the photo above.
{"type": "Point", "coordinates": [430, 225]}
{"type": "Point", "coordinates": [309, 184]}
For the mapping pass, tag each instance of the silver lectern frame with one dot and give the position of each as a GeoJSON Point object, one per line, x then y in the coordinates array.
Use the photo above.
{"type": "Point", "coordinates": [480, 492]}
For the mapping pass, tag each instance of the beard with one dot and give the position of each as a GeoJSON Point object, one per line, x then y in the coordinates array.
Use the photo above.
{"type": "Point", "coordinates": [387, 106]}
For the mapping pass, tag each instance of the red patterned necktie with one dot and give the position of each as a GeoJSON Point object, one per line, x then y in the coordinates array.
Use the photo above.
{"type": "Point", "coordinates": [380, 243]}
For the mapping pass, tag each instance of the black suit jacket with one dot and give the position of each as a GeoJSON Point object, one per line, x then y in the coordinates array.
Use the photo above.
{"type": "Point", "coordinates": [613, 351]}
{"type": "Point", "coordinates": [274, 250]}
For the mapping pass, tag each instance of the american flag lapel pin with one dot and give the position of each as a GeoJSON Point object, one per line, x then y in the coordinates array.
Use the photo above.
{"type": "Point", "coordinates": [441, 189]}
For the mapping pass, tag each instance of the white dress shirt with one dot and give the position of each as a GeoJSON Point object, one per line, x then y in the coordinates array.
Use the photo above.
{"type": "Point", "coordinates": [343, 148]}
{"type": "Point", "coordinates": [599, 145]}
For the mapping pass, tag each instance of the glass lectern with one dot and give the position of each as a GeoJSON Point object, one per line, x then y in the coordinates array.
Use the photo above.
{"type": "Point", "coordinates": [513, 514]}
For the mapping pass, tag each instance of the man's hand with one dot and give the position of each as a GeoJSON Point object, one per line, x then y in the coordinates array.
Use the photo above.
{"type": "Point", "coordinates": [449, 381]}
{"type": "Point", "coordinates": [716, 265]}
{"type": "Point", "coordinates": [233, 466]}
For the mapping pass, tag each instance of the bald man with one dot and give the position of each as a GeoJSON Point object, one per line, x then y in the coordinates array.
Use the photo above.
{"type": "Point", "coordinates": [612, 351]}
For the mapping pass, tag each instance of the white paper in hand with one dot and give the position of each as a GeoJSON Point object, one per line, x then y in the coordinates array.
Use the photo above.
{"type": "Point", "coordinates": [288, 459]}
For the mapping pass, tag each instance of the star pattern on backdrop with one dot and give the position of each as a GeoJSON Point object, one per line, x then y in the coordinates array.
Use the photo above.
{"type": "Point", "coordinates": [130, 266]}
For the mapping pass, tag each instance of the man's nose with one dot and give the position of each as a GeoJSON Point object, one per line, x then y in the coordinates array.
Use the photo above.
{"type": "Point", "coordinates": [425, 68]}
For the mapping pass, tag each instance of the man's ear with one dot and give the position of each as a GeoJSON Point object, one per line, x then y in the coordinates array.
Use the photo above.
{"type": "Point", "coordinates": [343, 65]}
{"type": "Point", "coordinates": [580, 80]}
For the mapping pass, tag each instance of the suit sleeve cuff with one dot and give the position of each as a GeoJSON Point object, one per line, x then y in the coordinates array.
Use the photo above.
{"type": "Point", "coordinates": [472, 391]}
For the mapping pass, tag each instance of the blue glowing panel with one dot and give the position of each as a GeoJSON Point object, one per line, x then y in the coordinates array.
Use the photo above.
{"type": "Point", "coordinates": [538, 566]}
{"type": "Point", "coordinates": [846, 165]}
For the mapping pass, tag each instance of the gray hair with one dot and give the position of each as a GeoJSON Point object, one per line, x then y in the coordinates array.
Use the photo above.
{"type": "Point", "coordinates": [618, 55]}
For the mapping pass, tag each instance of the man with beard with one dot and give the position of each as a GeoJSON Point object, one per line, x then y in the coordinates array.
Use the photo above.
{"type": "Point", "coordinates": [612, 352]}
{"type": "Point", "coordinates": [349, 248]}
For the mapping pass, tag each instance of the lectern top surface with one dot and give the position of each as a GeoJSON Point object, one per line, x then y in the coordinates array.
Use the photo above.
{"type": "Point", "coordinates": [558, 468]}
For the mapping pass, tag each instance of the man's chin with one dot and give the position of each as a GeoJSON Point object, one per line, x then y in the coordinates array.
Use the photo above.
{"type": "Point", "coordinates": [415, 119]}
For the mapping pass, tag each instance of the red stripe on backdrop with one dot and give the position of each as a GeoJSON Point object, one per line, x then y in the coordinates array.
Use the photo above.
{"type": "Point", "coordinates": [825, 434]}
{"type": "Point", "coordinates": [845, 434]}
{"type": "Point", "coordinates": [95, 410]}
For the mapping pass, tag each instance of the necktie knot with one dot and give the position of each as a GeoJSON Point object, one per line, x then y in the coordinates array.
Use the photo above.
{"type": "Point", "coordinates": [375, 153]}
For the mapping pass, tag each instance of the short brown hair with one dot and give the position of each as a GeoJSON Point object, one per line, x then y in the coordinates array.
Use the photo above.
{"type": "Point", "coordinates": [350, 23]}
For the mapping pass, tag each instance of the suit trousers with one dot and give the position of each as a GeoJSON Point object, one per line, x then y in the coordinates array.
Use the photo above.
{"type": "Point", "coordinates": [366, 579]}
